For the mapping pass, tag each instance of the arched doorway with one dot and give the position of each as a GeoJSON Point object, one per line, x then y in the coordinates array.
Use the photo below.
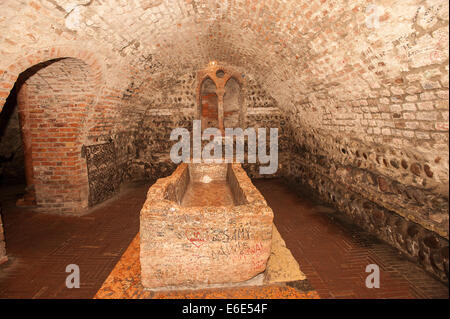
{"type": "Point", "coordinates": [50, 101]}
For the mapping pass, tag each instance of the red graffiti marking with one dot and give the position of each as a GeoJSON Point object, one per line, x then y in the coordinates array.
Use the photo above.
{"type": "Point", "coordinates": [258, 264]}
{"type": "Point", "coordinates": [442, 126]}
{"type": "Point", "coordinates": [195, 238]}
{"type": "Point", "coordinates": [250, 251]}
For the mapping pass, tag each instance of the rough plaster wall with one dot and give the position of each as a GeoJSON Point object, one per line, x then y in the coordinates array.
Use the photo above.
{"type": "Point", "coordinates": [257, 96]}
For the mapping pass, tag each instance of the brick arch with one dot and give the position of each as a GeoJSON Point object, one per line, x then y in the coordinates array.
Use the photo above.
{"type": "Point", "coordinates": [55, 100]}
{"type": "Point", "coordinates": [10, 74]}
{"type": "Point", "coordinates": [238, 79]}
{"type": "Point", "coordinates": [202, 81]}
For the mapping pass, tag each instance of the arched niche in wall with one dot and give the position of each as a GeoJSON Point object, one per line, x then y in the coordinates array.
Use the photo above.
{"type": "Point", "coordinates": [209, 104]}
{"type": "Point", "coordinates": [232, 104]}
{"type": "Point", "coordinates": [229, 87]}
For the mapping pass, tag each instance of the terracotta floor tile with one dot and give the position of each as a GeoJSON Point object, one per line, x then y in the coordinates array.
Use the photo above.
{"type": "Point", "coordinates": [332, 255]}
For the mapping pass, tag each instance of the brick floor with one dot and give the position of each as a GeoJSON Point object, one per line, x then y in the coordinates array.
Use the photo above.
{"type": "Point", "coordinates": [332, 254]}
{"type": "Point", "coordinates": [40, 246]}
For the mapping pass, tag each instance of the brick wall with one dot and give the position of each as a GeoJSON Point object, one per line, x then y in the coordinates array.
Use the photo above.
{"type": "Point", "coordinates": [55, 101]}
{"type": "Point", "coordinates": [210, 109]}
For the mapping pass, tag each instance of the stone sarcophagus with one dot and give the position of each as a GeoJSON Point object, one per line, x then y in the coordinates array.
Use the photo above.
{"type": "Point", "coordinates": [206, 224]}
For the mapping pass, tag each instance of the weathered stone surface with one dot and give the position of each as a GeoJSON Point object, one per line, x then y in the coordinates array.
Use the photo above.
{"type": "Point", "coordinates": [282, 266]}
{"type": "Point", "coordinates": [124, 281]}
{"type": "Point", "coordinates": [403, 216]}
{"type": "Point", "coordinates": [194, 246]}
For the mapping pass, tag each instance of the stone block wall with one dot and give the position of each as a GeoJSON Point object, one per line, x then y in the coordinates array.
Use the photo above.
{"type": "Point", "coordinates": [399, 195]}
{"type": "Point", "coordinates": [269, 117]}
{"type": "Point", "coordinates": [152, 144]}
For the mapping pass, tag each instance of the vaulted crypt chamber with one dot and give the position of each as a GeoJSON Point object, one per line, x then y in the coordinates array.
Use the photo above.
{"type": "Point", "coordinates": [353, 93]}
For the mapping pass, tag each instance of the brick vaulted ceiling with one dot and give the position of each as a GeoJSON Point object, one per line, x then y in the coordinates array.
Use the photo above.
{"type": "Point", "coordinates": [322, 61]}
